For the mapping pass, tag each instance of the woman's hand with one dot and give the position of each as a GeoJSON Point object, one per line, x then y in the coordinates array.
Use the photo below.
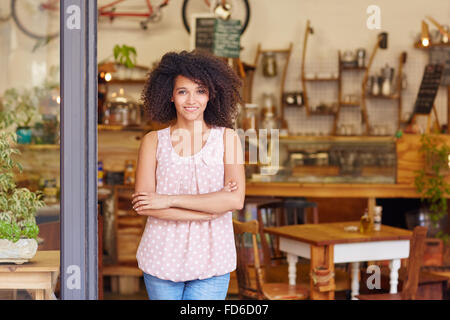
{"type": "Point", "coordinates": [150, 200]}
{"type": "Point", "coordinates": [230, 187]}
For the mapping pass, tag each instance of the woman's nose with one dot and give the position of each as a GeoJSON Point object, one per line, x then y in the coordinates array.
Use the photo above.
{"type": "Point", "coordinates": [190, 98]}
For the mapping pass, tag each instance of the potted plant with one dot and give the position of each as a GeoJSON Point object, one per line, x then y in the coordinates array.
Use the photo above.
{"type": "Point", "coordinates": [432, 185]}
{"type": "Point", "coordinates": [24, 107]}
{"type": "Point", "coordinates": [125, 56]}
{"type": "Point", "coordinates": [18, 228]}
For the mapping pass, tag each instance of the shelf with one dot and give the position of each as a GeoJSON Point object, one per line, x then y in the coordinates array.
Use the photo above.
{"type": "Point", "coordinates": [320, 79]}
{"type": "Point", "coordinates": [38, 146]}
{"type": "Point", "coordinates": [418, 45]}
{"type": "Point", "coordinates": [346, 68]}
{"type": "Point", "coordinates": [126, 81]}
{"type": "Point", "coordinates": [353, 138]}
{"type": "Point", "coordinates": [350, 104]}
{"type": "Point", "coordinates": [106, 127]}
{"type": "Point", "coordinates": [371, 96]}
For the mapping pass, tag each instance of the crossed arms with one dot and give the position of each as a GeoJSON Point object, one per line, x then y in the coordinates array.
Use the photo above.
{"type": "Point", "coordinates": [199, 207]}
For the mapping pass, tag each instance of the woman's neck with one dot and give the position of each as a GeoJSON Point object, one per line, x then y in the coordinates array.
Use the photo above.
{"type": "Point", "coordinates": [191, 126]}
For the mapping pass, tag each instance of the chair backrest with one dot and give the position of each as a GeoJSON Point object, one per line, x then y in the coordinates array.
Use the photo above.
{"type": "Point", "coordinates": [247, 257]}
{"type": "Point", "coordinates": [277, 214]}
{"type": "Point", "coordinates": [416, 251]}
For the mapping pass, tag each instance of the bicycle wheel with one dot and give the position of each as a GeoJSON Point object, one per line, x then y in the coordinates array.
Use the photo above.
{"type": "Point", "coordinates": [38, 19]}
{"type": "Point", "coordinates": [240, 10]}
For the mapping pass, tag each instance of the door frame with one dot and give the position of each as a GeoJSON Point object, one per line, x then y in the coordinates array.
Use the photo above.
{"type": "Point", "coordinates": [79, 234]}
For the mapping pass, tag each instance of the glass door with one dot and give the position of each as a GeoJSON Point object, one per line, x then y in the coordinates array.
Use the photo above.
{"type": "Point", "coordinates": [48, 85]}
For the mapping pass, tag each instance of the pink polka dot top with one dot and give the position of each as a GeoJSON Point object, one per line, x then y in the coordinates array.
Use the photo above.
{"type": "Point", "coordinates": [188, 250]}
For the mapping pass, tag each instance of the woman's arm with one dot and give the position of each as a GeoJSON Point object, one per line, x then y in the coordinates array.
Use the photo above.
{"type": "Point", "coordinates": [220, 201]}
{"type": "Point", "coordinates": [176, 214]}
{"type": "Point", "coordinates": [145, 183]}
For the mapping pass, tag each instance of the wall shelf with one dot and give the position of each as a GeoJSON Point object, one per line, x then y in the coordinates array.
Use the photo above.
{"type": "Point", "coordinates": [320, 79]}
{"type": "Point", "coordinates": [393, 97]}
{"type": "Point", "coordinates": [126, 81]}
{"type": "Point", "coordinates": [38, 146]}
{"type": "Point", "coordinates": [418, 45]}
{"type": "Point", "coordinates": [105, 127]}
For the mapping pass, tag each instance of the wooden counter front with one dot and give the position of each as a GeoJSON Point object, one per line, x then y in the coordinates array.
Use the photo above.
{"type": "Point", "coordinates": [325, 190]}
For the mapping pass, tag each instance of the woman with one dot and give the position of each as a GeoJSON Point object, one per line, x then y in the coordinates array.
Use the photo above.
{"type": "Point", "coordinates": [189, 178]}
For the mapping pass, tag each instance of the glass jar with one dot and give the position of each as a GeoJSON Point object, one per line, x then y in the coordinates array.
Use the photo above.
{"type": "Point", "coordinates": [130, 171]}
{"type": "Point", "coordinates": [122, 110]}
{"type": "Point", "coordinates": [251, 118]}
{"type": "Point", "coordinates": [270, 122]}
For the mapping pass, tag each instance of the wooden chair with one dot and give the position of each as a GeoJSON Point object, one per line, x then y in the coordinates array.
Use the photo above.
{"type": "Point", "coordinates": [259, 289]}
{"type": "Point", "coordinates": [409, 289]}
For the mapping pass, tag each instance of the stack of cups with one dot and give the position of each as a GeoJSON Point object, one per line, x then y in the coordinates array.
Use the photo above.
{"type": "Point", "coordinates": [377, 218]}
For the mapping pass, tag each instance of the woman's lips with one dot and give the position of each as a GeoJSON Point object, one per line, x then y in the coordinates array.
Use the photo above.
{"type": "Point", "coordinates": [191, 109]}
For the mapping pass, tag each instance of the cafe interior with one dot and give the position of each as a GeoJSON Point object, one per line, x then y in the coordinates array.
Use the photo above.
{"type": "Point", "coordinates": [344, 124]}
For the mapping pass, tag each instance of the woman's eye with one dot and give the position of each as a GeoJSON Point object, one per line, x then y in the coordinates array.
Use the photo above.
{"type": "Point", "coordinates": [202, 91]}
{"type": "Point", "coordinates": [181, 92]}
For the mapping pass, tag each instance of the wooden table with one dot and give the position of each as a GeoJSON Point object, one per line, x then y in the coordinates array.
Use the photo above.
{"type": "Point", "coordinates": [40, 274]}
{"type": "Point", "coordinates": [328, 243]}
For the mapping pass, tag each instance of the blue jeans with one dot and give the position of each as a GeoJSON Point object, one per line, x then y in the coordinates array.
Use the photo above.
{"type": "Point", "coordinates": [214, 288]}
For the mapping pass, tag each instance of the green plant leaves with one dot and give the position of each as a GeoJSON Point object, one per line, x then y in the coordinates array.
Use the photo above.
{"type": "Point", "coordinates": [9, 231]}
{"type": "Point", "coordinates": [430, 181]}
{"type": "Point", "coordinates": [17, 205]}
{"type": "Point", "coordinates": [125, 55]}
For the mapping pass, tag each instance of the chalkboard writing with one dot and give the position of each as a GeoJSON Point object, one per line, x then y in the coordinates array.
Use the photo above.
{"type": "Point", "coordinates": [428, 88]}
{"type": "Point", "coordinates": [204, 33]}
{"type": "Point", "coordinates": [227, 38]}
{"type": "Point", "coordinates": [441, 55]}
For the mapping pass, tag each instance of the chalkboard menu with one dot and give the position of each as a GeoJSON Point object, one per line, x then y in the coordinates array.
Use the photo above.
{"type": "Point", "coordinates": [441, 55]}
{"type": "Point", "coordinates": [428, 88]}
{"type": "Point", "coordinates": [216, 36]}
{"type": "Point", "coordinates": [227, 38]}
{"type": "Point", "coordinates": [203, 33]}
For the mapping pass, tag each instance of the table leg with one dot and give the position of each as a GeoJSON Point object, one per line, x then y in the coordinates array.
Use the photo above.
{"type": "Point", "coordinates": [322, 256]}
{"type": "Point", "coordinates": [292, 269]}
{"type": "Point", "coordinates": [394, 265]}
{"type": "Point", "coordinates": [355, 280]}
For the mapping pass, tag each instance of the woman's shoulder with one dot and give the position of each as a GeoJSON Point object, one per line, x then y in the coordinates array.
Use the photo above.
{"type": "Point", "coordinates": [150, 139]}
{"type": "Point", "coordinates": [155, 134]}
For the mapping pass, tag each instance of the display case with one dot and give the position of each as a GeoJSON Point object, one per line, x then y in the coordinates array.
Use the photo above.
{"type": "Point", "coordinates": [324, 160]}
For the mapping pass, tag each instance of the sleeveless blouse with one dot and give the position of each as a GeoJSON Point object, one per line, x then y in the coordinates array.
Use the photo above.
{"type": "Point", "coordinates": [188, 250]}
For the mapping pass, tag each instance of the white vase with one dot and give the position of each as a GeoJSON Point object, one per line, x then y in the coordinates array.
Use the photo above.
{"type": "Point", "coordinates": [17, 252]}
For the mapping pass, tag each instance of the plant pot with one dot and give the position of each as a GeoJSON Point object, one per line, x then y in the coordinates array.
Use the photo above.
{"type": "Point", "coordinates": [128, 73]}
{"type": "Point", "coordinates": [23, 135]}
{"type": "Point", "coordinates": [17, 252]}
{"type": "Point", "coordinates": [421, 217]}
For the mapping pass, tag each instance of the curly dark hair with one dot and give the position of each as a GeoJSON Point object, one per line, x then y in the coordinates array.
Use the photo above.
{"type": "Point", "coordinates": [222, 82]}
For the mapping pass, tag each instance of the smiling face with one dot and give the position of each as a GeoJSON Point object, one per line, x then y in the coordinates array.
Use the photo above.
{"type": "Point", "coordinates": [190, 98]}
